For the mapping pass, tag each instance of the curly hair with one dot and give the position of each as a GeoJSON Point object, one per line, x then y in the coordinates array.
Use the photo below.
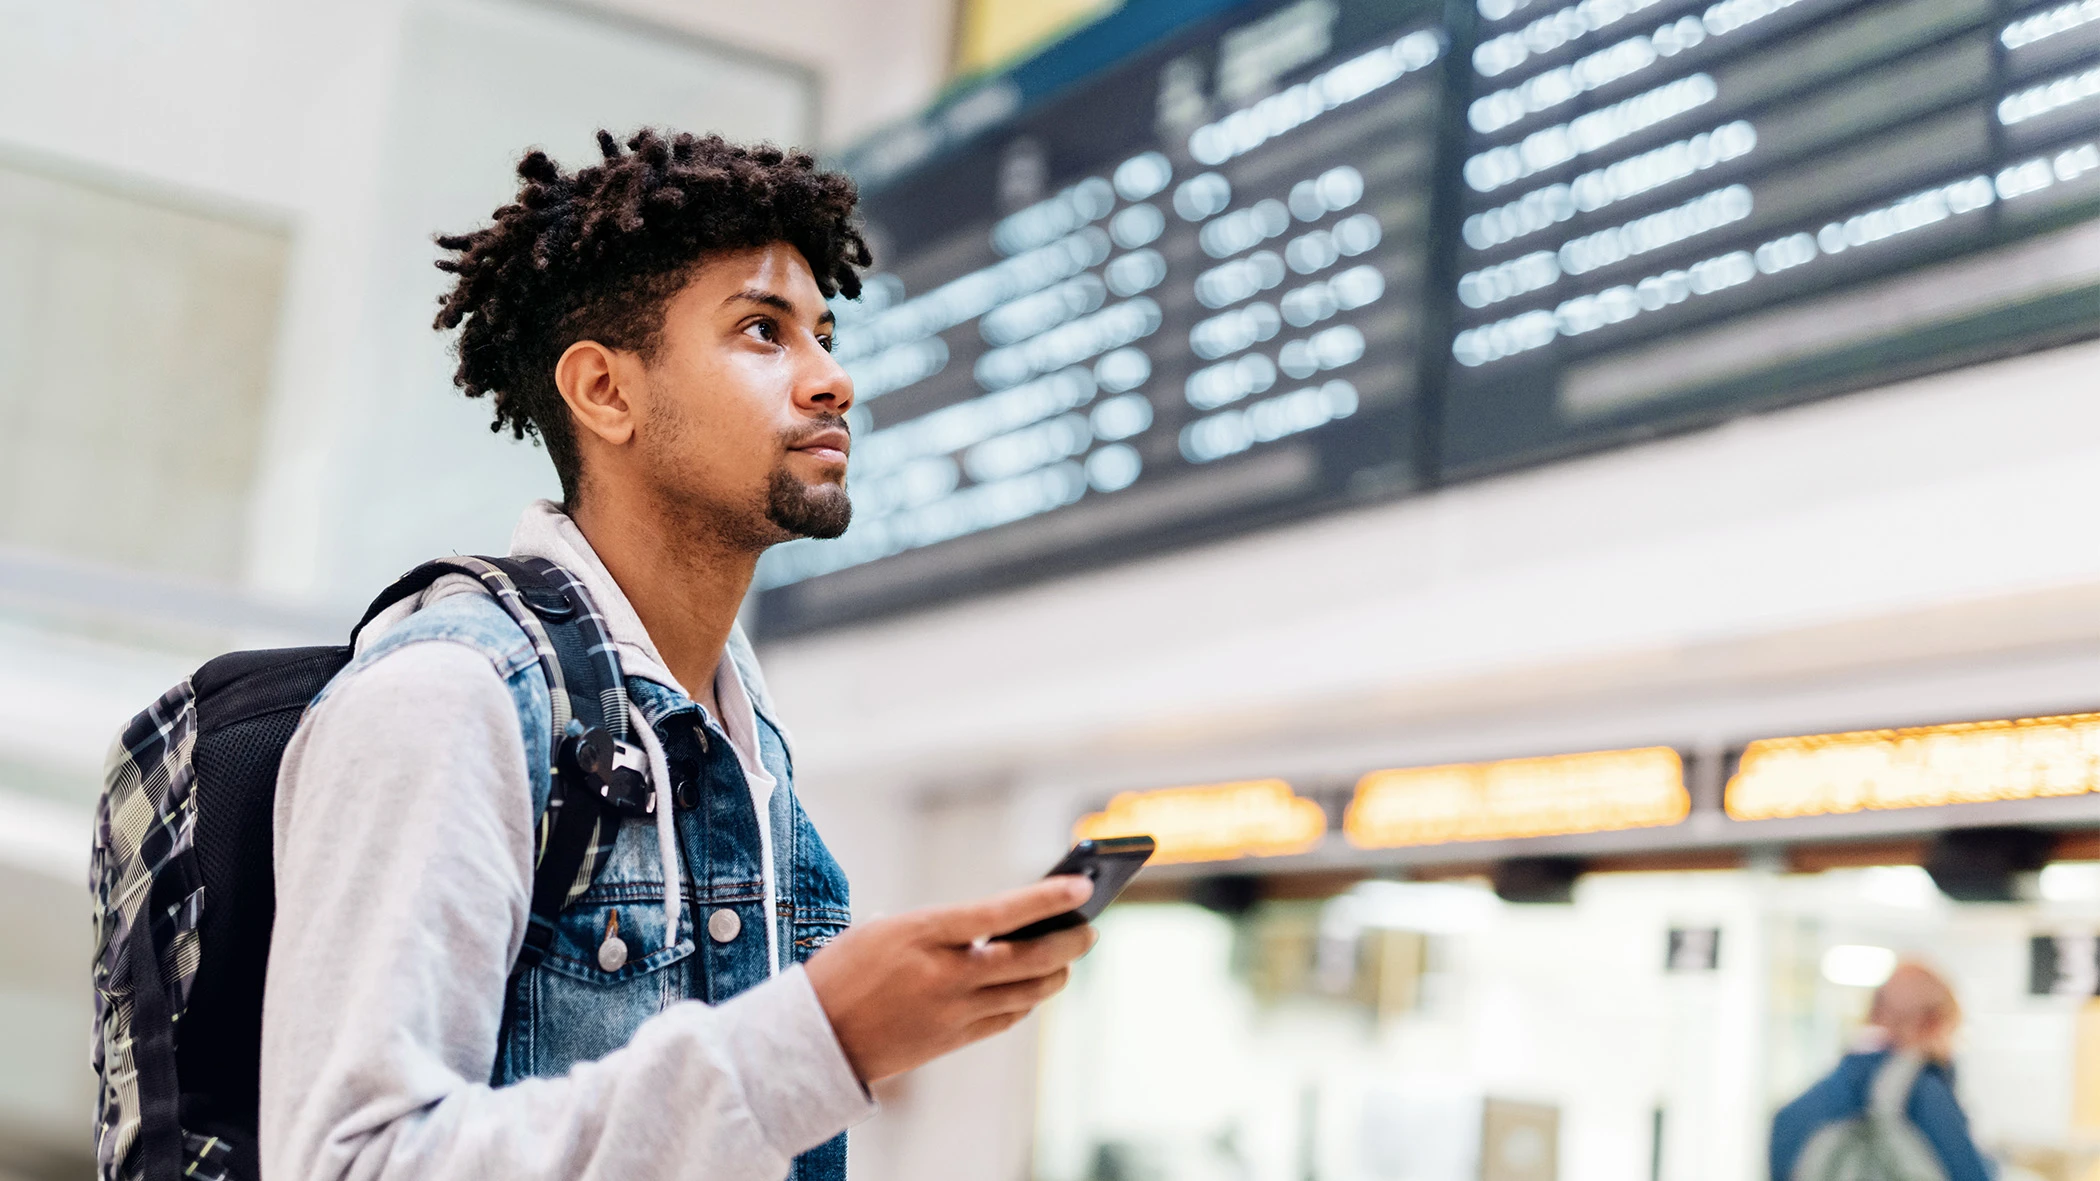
{"type": "Point", "coordinates": [597, 253]}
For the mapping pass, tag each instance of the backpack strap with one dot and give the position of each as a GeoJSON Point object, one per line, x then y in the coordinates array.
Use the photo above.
{"type": "Point", "coordinates": [153, 1050]}
{"type": "Point", "coordinates": [597, 775]}
{"type": "Point", "coordinates": [1888, 1097]}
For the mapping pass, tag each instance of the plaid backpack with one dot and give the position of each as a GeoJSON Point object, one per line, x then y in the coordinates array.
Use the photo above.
{"type": "Point", "coordinates": [183, 881]}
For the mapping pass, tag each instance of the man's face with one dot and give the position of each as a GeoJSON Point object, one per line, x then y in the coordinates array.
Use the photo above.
{"type": "Point", "coordinates": [744, 432]}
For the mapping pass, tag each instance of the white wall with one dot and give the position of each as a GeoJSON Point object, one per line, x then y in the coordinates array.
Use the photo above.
{"type": "Point", "coordinates": [879, 60]}
{"type": "Point", "coordinates": [369, 127]}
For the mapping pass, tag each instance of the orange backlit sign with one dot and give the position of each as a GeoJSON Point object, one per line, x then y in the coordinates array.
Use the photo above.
{"type": "Point", "coordinates": [1550, 796]}
{"type": "Point", "coordinates": [1218, 822]}
{"type": "Point", "coordinates": [1917, 767]}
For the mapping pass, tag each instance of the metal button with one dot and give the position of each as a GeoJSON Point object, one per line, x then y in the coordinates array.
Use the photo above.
{"type": "Point", "coordinates": [687, 791]}
{"type": "Point", "coordinates": [612, 953]}
{"type": "Point", "coordinates": [723, 925]}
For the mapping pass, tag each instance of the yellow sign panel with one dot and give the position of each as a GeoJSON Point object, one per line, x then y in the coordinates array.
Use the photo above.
{"type": "Point", "coordinates": [1550, 796]}
{"type": "Point", "coordinates": [996, 32]}
{"type": "Point", "coordinates": [1918, 767]}
{"type": "Point", "coordinates": [1259, 818]}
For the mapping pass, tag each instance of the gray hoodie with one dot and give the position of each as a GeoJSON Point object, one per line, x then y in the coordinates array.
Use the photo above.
{"type": "Point", "coordinates": [393, 941]}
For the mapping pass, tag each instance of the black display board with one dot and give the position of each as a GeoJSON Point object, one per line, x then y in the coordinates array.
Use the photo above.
{"type": "Point", "coordinates": [1194, 292]}
{"type": "Point", "coordinates": [1297, 255]}
{"type": "Point", "coordinates": [1680, 209]}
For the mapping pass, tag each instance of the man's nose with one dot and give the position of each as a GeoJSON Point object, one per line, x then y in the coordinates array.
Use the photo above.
{"type": "Point", "coordinates": [826, 384]}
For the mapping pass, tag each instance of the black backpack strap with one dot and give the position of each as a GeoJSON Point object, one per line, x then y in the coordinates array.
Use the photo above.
{"type": "Point", "coordinates": [597, 775]}
{"type": "Point", "coordinates": [159, 1148]}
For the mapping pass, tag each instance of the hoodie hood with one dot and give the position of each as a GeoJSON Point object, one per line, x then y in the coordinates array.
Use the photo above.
{"type": "Point", "coordinates": [545, 531]}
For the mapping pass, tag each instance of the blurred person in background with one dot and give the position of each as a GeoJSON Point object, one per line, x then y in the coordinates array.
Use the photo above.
{"type": "Point", "coordinates": [1905, 1068]}
{"type": "Point", "coordinates": [659, 321]}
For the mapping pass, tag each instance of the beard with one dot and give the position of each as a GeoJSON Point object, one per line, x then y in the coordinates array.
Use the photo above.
{"type": "Point", "coordinates": [807, 510]}
{"type": "Point", "coordinates": [787, 508]}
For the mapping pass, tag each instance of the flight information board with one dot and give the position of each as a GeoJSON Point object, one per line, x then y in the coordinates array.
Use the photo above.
{"type": "Point", "coordinates": [1320, 251]}
{"type": "Point", "coordinates": [1676, 208]}
{"type": "Point", "coordinates": [1191, 293]}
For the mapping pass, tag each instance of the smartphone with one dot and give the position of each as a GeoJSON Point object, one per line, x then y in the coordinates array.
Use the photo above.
{"type": "Point", "coordinates": [1109, 863]}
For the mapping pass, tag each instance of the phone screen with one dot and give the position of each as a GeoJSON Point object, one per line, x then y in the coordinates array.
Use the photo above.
{"type": "Point", "coordinates": [1110, 863]}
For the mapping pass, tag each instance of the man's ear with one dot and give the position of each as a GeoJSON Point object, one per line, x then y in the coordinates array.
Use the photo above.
{"type": "Point", "coordinates": [596, 382]}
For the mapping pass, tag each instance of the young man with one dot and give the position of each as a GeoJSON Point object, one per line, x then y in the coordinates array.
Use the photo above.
{"type": "Point", "coordinates": [659, 322]}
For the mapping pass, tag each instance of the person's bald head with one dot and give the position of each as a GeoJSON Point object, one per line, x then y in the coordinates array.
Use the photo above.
{"type": "Point", "coordinates": [1917, 1010]}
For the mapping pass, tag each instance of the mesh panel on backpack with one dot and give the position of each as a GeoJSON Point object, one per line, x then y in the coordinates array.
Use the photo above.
{"type": "Point", "coordinates": [248, 704]}
{"type": "Point", "coordinates": [183, 865]}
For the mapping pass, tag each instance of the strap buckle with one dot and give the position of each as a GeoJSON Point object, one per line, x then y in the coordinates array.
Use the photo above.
{"type": "Point", "coordinates": [617, 771]}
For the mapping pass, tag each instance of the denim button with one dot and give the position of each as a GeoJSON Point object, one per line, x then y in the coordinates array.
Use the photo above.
{"type": "Point", "coordinates": [723, 925]}
{"type": "Point", "coordinates": [612, 952]}
{"type": "Point", "coordinates": [687, 792]}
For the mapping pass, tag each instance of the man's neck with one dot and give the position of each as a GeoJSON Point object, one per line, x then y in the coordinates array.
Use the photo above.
{"type": "Point", "coordinates": [685, 588]}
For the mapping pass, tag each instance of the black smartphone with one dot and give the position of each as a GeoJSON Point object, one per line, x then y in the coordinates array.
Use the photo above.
{"type": "Point", "coordinates": [1109, 863]}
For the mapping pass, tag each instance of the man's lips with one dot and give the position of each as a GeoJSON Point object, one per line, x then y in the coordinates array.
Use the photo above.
{"type": "Point", "coordinates": [829, 445]}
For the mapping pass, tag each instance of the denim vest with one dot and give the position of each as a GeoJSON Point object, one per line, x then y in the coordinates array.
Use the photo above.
{"type": "Point", "coordinates": [567, 1009]}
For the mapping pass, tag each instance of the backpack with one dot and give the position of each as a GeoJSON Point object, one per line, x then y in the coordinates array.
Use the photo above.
{"type": "Point", "coordinates": [184, 885]}
{"type": "Point", "coordinates": [1880, 1143]}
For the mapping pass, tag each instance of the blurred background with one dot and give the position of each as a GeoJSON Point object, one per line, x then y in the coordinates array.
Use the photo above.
{"type": "Point", "coordinates": [1573, 523]}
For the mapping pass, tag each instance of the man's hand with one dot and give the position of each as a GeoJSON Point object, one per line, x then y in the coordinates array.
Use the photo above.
{"type": "Point", "coordinates": [904, 990]}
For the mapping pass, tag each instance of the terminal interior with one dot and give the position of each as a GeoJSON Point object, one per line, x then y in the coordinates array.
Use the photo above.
{"type": "Point", "coordinates": [1271, 414]}
{"type": "Point", "coordinates": [1645, 1029]}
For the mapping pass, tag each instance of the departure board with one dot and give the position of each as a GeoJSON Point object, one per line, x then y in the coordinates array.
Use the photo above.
{"type": "Point", "coordinates": [1192, 293]}
{"type": "Point", "coordinates": [1677, 209]}
{"type": "Point", "coordinates": [1316, 252]}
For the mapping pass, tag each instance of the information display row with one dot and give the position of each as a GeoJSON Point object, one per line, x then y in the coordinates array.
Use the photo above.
{"type": "Point", "coordinates": [1190, 294]}
{"type": "Point", "coordinates": [1672, 206]}
{"type": "Point", "coordinates": [1312, 253]}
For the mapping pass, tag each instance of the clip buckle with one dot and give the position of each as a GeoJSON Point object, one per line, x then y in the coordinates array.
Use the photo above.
{"type": "Point", "coordinates": [617, 771]}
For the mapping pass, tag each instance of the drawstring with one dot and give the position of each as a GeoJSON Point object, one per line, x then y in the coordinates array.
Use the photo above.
{"type": "Point", "coordinates": [666, 835]}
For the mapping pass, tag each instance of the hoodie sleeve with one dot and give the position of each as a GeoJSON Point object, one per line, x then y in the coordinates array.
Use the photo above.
{"type": "Point", "coordinates": [404, 864]}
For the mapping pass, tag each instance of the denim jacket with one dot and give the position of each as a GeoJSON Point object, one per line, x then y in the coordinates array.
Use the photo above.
{"type": "Point", "coordinates": [568, 1018]}
{"type": "Point", "coordinates": [569, 1010]}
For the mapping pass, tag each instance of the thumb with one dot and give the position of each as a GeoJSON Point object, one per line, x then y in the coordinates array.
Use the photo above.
{"type": "Point", "coordinates": [1014, 909]}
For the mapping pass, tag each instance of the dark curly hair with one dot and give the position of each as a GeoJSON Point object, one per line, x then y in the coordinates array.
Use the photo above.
{"type": "Point", "coordinates": [597, 253]}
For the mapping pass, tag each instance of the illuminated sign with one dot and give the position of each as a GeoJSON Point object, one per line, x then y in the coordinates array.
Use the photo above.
{"type": "Point", "coordinates": [1918, 767]}
{"type": "Point", "coordinates": [1258, 818]}
{"type": "Point", "coordinates": [1537, 797]}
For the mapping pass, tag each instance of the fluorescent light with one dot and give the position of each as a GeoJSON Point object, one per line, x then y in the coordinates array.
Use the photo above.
{"type": "Point", "coordinates": [2071, 881]}
{"type": "Point", "coordinates": [1858, 965]}
{"type": "Point", "coordinates": [1435, 908]}
{"type": "Point", "coordinates": [1906, 886]}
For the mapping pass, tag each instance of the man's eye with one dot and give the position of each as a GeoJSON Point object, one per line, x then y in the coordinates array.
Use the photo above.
{"type": "Point", "coordinates": [825, 341]}
{"type": "Point", "coordinates": [766, 330]}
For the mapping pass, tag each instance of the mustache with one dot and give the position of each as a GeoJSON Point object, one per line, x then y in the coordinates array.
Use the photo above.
{"type": "Point", "coordinates": [815, 427]}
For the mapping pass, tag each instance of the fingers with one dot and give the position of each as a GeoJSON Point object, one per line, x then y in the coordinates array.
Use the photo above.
{"type": "Point", "coordinates": [987, 1026]}
{"type": "Point", "coordinates": [1014, 909]}
{"type": "Point", "coordinates": [1022, 995]}
{"type": "Point", "coordinates": [1003, 963]}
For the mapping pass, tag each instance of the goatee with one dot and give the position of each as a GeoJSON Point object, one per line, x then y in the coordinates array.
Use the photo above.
{"type": "Point", "coordinates": [807, 510]}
